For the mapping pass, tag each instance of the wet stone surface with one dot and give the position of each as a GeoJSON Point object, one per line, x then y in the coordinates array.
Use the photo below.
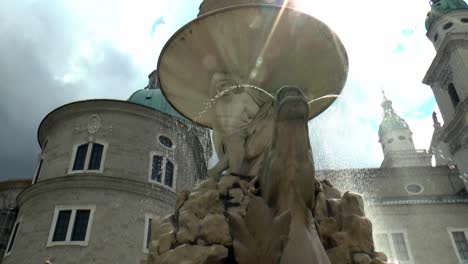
{"type": "Point", "coordinates": [198, 232]}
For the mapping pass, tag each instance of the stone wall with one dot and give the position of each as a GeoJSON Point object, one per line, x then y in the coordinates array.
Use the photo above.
{"type": "Point", "coordinates": [118, 228]}
{"type": "Point", "coordinates": [131, 134]}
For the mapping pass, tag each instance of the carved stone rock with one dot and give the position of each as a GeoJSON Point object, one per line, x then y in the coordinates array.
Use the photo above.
{"type": "Point", "coordinates": [194, 254]}
{"type": "Point", "coordinates": [215, 229]}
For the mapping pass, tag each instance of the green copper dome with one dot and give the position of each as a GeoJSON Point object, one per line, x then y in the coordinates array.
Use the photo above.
{"type": "Point", "coordinates": [155, 99]}
{"type": "Point", "coordinates": [441, 7]}
{"type": "Point", "coordinates": [391, 121]}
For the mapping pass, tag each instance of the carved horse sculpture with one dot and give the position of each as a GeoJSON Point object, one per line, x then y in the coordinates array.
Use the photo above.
{"type": "Point", "coordinates": [287, 177]}
{"type": "Point", "coordinates": [288, 187]}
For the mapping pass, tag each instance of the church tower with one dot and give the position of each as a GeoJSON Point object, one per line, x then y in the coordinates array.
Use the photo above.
{"type": "Point", "coordinates": [396, 139]}
{"type": "Point", "coordinates": [447, 28]}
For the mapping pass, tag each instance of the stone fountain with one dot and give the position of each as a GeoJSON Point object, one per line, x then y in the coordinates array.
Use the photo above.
{"type": "Point", "coordinates": [256, 72]}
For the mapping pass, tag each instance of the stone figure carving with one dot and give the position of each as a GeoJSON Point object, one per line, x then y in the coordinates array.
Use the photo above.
{"type": "Point", "coordinates": [287, 180]}
{"type": "Point", "coordinates": [94, 124]}
{"type": "Point", "coordinates": [222, 220]}
{"type": "Point", "coordinates": [241, 113]}
{"type": "Point", "coordinates": [434, 118]}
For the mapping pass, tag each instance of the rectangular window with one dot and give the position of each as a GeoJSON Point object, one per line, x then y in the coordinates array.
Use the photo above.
{"type": "Point", "coordinates": [80, 157]}
{"type": "Point", "coordinates": [61, 226]}
{"type": "Point", "coordinates": [460, 241]}
{"type": "Point", "coordinates": [399, 244]}
{"type": "Point", "coordinates": [156, 171]}
{"type": "Point", "coordinates": [11, 241]}
{"type": "Point", "coordinates": [395, 245]}
{"type": "Point", "coordinates": [81, 225]}
{"type": "Point", "coordinates": [38, 171]}
{"type": "Point", "coordinates": [162, 170]}
{"type": "Point", "coordinates": [96, 155]}
{"type": "Point", "coordinates": [148, 233]}
{"type": "Point", "coordinates": [148, 230]}
{"type": "Point", "coordinates": [7, 222]}
{"type": "Point", "coordinates": [88, 157]}
{"type": "Point", "coordinates": [169, 173]}
{"type": "Point", "coordinates": [71, 225]}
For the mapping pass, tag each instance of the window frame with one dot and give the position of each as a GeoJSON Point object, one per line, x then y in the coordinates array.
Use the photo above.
{"type": "Point", "coordinates": [37, 171]}
{"type": "Point", "coordinates": [454, 245]}
{"type": "Point", "coordinates": [163, 170]}
{"type": "Point", "coordinates": [71, 223]}
{"type": "Point", "coordinates": [88, 157]}
{"type": "Point", "coordinates": [153, 218]}
{"type": "Point", "coordinates": [388, 234]}
{"type": "Point", "coordinates": [172, 141]}
{"type": "Point", "coordinates": [17, 222]}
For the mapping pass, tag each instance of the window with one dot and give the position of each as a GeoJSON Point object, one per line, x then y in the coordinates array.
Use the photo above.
{"type": "Point", "coordinates": [464, 20]}
{"type": "Point", "coordinates": [453, 95]}
{"type": "Point", "coordinates": [436, 37]}
{"type": "Point", "coordinates": [166, 142]}
{"type": "Point", "coordinates": [390, 141]}
{"type": "Point", "coordinates": [7, 222]}
{"type": "Point", "coordinates": [448, 25]}
{"type": "Point", "coordinates": [414, 188]}
{"type": "Point", "coordinates": [11, 241]}
{"type": "Point", "coordinates": [88, 157]}
{"type": "Point", "coordinates": [395, 245]}
{"type": "Point", "coordinates": [459, 239]}
{"type": "Point", "coordinates": [38, 171]}
{"type": "Point", "coordinates": [149, 220]}
{"type": "Point", "coordinates": [162, 170]}
{"type": "Point", "coordinates": [71, 225]}
{"type": "Point", "coordinates": [401, 138]}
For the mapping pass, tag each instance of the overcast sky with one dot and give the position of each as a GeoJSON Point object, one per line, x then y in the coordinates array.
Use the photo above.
{"type": "Point", "coordinates": [56, 52]}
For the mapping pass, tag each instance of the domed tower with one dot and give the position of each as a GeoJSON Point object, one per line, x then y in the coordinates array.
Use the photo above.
{"type": "Point", "coordinates": [396, 139]}
{"type": "Point", "coordinates": [447, 29]}
{"type": "Point", "coordinates": [106, 170]}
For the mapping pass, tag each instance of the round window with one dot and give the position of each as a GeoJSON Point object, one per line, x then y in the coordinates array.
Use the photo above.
{"type": "Point", "coordinates": [390, 141]}
{"type": "Point", "coordinates": [448, 25]}
{"type": "Point", "coordinates": [401, 138]}
{"type": "Point", "coordinates": [165, 141]}
{"type": "Point", "coordinates": [464, 20]}
{"type": "Point", "coordinates": [414, 188]}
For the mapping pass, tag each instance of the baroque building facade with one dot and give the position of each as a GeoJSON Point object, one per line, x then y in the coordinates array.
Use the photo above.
{"type": "Point", "coordinates": [107, 168]}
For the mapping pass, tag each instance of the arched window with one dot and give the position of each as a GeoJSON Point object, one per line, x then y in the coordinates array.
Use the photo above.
{"type": "Point", "coordinates": [162, 170]}
{"type": "Point", "coordinates": [88, 157]}
{"type": "Point", "coordinates": [453, 94]}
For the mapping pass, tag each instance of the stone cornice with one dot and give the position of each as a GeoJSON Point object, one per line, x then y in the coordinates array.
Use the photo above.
{"type": "Point", "coordinates": [97, 105]}
{"type": "Point", "coordinates": [423, 200]}
{"type": "Point", "coordinates": [439, 68]}
{"type": "Point", "coordinates": [93, 181]}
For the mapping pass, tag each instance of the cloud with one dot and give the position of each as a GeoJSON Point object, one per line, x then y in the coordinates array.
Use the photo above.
{"type": "Point", "coordinates": [43, 67]}
{"type": "Point", "coordinates": [159, 21]}
{"type": "Point", "coordinates": [61, 51]}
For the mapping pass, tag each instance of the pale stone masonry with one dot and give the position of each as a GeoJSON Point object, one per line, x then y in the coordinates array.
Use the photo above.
{"type": "Point", "coordinates": [118, 195]}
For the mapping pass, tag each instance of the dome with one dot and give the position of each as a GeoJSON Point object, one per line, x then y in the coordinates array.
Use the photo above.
{"type": "Point", "coordinates": [441, 7]}
{"type": "Point", "coordinates": [155, 99]}
{"type": "Point", "coordinates": [391, 121]}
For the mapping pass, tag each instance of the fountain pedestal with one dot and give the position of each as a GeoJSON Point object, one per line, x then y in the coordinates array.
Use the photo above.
{"type": "Point", "coordinates": [260, 202]}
